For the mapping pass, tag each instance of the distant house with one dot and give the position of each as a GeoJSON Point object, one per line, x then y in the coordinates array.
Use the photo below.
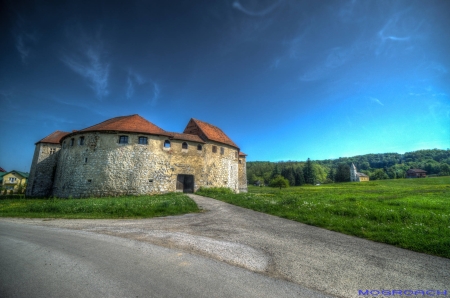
{"type": "Point", "coordinates": [356, 176]}
{"type": "Point", "coordinates": [259, 183]}
{"type": "Point", "coordinates": [13, 180]}
{"type": "Point", "coordinates": [416, 173]}
{"type": "Point", "coordinates": [2, 170]}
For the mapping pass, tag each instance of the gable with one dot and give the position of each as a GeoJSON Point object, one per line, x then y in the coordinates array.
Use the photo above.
{"type": "Point", "coordinates": [208, 131]}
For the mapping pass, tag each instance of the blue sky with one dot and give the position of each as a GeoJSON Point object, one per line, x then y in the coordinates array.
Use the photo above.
{"type": "Point", "coordinates": [284, 79]}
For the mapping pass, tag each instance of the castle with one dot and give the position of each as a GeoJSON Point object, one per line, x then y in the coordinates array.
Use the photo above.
{"type": "Point", "coordinates": [356, 176]}
{"type": "Point", "coordinates": [129, 155]}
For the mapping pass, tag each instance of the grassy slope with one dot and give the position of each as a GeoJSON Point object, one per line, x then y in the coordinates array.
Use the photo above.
{"type": "Point", "coordinates": [409, 213]}
{"type": "Point", "coordinates": [115, 207]}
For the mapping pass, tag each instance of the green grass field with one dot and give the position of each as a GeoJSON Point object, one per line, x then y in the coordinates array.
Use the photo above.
{"type": "Point", "coordinates": [408, 213]}
{"type": "Point", "coordinates": [107, 207]}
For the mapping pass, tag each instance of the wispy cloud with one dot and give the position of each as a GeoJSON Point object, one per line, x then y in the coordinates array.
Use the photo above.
{"type": "Point", "coordinates": [376, 100]}
{"type": "Point", "coordinates": [237, 5]}
{"type": "Point", "coordinates": [142, 87]}
{"type": "Point", "coordinates": [90, 66]}
{"type": "Point", "coordinates": [88, 60]}
{"type": "Point", "coordinates": [25, 38]}
{"type": "Point", "coordinates": [132, 80]}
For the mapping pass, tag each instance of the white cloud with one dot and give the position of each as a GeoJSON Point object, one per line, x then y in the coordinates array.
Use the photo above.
{"type": "Point", "coordinates": [141, 87]}
{"type": "Point", "coordinates": [90, 66]}
{"type": "Point", "coordinates": [261, 13]}
{"type": "Point", "coordinates": [24, 38]}
{"type": "Point", "coordinates": [376, 100]}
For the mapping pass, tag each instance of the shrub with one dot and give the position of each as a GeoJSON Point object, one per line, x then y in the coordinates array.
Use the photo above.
{"type": "Point", "coordinates": [279, 181]}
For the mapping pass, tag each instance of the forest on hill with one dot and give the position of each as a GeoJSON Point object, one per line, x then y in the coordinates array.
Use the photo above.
{"type": "Point", "coordinates": [377, 166]}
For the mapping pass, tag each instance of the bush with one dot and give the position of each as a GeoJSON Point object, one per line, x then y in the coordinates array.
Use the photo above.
{"type": "Point", "coordinates": [279, 181]}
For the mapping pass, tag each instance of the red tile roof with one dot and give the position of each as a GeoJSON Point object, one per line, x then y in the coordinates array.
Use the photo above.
{"type": "Point", "coordinates": [132, 123]}
{"type": "Point", "coordinates": [2, 169]}
{"type": "Point", "coordinates": [54, 137]}
{"type": "Point", "coordinates": [210, 131]}
{"type": "Point", "coordinates": [186, 137]}
{"type": "Point", "coordinates": [242, 154]}
{"type": "Point", "coordinates": [416, 171]}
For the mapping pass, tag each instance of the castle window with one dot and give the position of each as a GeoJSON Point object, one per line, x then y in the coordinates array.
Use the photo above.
{"type": "Point", "coordinates": [214, 149]}
{"type": "Point", "coordinates": [235, 154]}
{"type": "Point", "coordinates": [52, 150]}
{"type": "Point", "coordinates": [85, 160]}
{"type": "Point", "coordinates": [184, 145]}
{"type": "Point", "coordinates": [199, 147]}
{"type": "Point", "coordinates": [123, 140]}
{"type": "Point", "coordinates": [222, 150]}
{"type": "Point", "coordinates": [166, 144]}
{"type": "Point", "coordinates": [89, 180]}
{"type": "Point", "coordinates": [72, 141]}
{"type": "Point", "coordinates": [81, 141]}
{"type": "Point", "coordinates": [150, 180]}
{"type": "Point", "coordinates": [240, 160]}
{"type": "Point", "coordinates": [143, 140]}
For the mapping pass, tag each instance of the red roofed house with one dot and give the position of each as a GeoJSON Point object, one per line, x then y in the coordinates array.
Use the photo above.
{"type": "Point", "coordinates": [416, 173]}
{"type": "Point", "coordinates": [130, 155]}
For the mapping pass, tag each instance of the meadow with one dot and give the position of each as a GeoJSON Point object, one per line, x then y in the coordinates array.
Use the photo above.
{"type": "Point", "coordinates": [408, 213]}
{"type": "Point", "coordinates": [106, 207]}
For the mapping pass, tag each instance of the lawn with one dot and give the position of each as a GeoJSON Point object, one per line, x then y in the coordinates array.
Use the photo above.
{"type": "Point", "coordinates": [408, 213]}
{"type": "Point", "coordinates": [107, 207]}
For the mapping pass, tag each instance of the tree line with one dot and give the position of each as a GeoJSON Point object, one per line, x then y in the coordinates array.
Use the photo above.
{"type": "Point", "coordinates": [376, 166]}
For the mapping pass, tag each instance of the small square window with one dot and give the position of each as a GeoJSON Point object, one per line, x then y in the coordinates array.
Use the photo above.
{"type": "Point", "coordinates": [199, 147]}
{"type": "Point", "coordinates": [89, 181]}
{"type": "Point", "coordinates": [150, 180]}
{"type": "Point", "coordinates": [184, 145]}
{"type": "Point", "coordinates": [123, 140]}
{"type": "Point", "coordinates": [214, 149]}
{"type": "Point", "coordinates": [166, 144]}
{"type": "Point", "coordinates": [81, 141]}
{"type": "Point", "coordinates": [143, 140]}
{"type": "Point", "coordinates": [222, 150]}
{"type": "Point", "coordinates": [52, 150]}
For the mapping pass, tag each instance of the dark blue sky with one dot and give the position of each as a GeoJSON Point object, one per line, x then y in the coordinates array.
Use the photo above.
{"type": "Point", "coordinates": [286, 80]}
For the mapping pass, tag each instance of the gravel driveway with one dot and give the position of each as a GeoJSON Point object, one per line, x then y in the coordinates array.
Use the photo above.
{"type": "Point", "coordinates": [318, 259]}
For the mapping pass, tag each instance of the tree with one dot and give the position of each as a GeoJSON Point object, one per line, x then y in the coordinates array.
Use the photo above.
{"type": "Point", "coordinates": [342, 173]}
{"type": "Point", "coordinates": [279, 181]}
{"type": "Point", "coordinates": [379, 174]}
{"type": "Point", "coordinates": [299, 177]}
{"type": "Point", "coordinates": [288, 174]}
{"type": "Point", "coordinates": [275, 172]}
{"type": "Point", "coordinates": [444, 170]}
{"type": "Point", "coordinates": [309, 173]}
{"type": "Point", "coordinates": [331, 175]}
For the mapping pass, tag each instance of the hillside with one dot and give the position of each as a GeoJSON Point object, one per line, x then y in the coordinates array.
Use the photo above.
{"type": "Point", "coordinates": [378, 166]}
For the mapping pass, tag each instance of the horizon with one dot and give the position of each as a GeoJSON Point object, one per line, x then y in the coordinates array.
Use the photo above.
{"type": "Point", "coordinates": [285, 80]}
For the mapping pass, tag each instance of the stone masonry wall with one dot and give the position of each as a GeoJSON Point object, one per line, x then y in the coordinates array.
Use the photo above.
{"type": "Point", "coordinates": [103, 167]}
{"type": "Point", "coordinates": [42, 172]}
{"type": "Point", "coordinates": [242, 174]}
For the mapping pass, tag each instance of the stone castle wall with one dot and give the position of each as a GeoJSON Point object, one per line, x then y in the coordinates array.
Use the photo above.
{"type": "Point", "coordinates": [43, 169]}
{"type": "Point", "coordinates": [102, 166]}
{"type": "Point", "coordinates": [242, 174]}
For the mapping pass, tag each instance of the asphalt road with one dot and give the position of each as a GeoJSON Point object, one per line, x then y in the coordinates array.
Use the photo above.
{"type": "Point", "coordinates": [48, 262]}
{"type": "Point", "coordinates": [314, 258]}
